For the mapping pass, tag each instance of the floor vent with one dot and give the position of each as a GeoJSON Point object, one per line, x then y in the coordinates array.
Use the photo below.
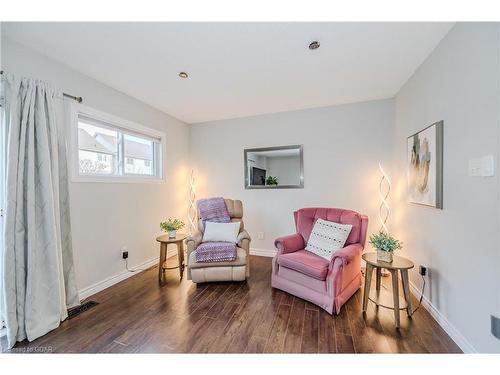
{"type": "Point", "coordinates": [75, 311]}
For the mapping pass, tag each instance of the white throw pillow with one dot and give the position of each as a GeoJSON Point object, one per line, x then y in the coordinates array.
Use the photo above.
{"type": "Point", "coordinates": [221, 232]}
{"type": "Point", "coordinates": [327, 237]}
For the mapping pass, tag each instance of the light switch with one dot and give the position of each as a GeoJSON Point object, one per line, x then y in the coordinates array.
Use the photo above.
{"type": "Point", "coordinates": [482, 167]}
{"type": "Point", "coordinates": [475, 167]}
{"type": "Point", "coordinates": [487, 166]}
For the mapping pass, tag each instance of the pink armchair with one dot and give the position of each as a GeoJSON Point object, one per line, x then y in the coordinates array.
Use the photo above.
{"type": "Point", "coordinates": [308, 276]}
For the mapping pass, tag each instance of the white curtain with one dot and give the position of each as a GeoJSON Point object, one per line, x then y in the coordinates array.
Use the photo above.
{"type": "Point", "coordinates": [37, 262]}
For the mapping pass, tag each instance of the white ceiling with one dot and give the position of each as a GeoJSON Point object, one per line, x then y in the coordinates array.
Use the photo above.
{"type": "Point", "coordinates": [238, 69]}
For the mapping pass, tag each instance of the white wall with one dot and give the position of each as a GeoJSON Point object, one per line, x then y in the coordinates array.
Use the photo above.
{"type": "Point", "coordinates": [342, 148]}
{"type": "Point", "coordinates": [106, 216]}
{"type": "Point", "coordinates": [458, 83]}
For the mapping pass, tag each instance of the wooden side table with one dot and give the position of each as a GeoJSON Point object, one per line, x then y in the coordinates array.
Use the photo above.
{"type": "Point", "coordinates": [164, 241]}
{"type": "Point", "coordinates": [381, 297]}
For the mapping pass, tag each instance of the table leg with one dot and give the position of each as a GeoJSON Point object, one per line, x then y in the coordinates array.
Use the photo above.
{"type": "Point", "coordinates": [395, 295]}
{"type": "Point", "coordinates": [180, 257]}
{"type": "Point", "coordinates": [184, 261]}
{"type": "Point", "coordinates": [406, 290]}
{"type": "Point", "coordinates": [379, 277]}
{"type": "Point", "coordinates": [368, 281]}
{"type": "Point", "coordinates": [163, 256]}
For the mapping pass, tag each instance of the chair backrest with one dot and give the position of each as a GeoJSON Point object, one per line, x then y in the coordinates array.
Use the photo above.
{"type": "Point", "coordinates": [306, 217]}
{"type": "Point", "coordinates": [235, 209]}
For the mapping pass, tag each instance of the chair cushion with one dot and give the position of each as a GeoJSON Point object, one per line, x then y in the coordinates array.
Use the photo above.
{"type": "Point", "coordinates": [305, 262]}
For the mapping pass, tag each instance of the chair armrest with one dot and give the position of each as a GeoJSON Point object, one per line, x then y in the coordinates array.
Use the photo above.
{"type": "Point", "coordinates": [243, 240]}
{"type": "Point", "coordinates": [289, 244]}
{"type": "Point", "coordinates": [347, 254]}
{"type": "Point", "coordinates": [193, 241]}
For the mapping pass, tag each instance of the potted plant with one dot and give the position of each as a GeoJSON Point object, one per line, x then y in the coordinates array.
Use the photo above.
{"type": "Point", "coordinates": [273, 181]}
{"type": "Point", "coordinates": [385, 244]}
{"type": "Point", "coordinates": [172, 226]}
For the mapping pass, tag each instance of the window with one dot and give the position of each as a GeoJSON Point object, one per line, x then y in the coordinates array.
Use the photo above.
{"type": "Point", "coordinates": [106, 148]}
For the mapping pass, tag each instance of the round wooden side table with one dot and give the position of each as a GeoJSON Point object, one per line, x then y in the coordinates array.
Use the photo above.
{"type": "Point", "coordinates": [382, 297]}
{"type": "Point", "coordinates": [164, 241]}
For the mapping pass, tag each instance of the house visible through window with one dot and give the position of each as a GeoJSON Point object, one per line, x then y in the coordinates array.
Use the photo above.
{"type": "Point", "coordinates": [105, 149]}
{"type": "Point", "coordinates": [93, 144]}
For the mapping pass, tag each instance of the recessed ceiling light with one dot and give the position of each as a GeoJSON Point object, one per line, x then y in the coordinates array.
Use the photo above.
{"type": "Point", "coordinates": [314, 45]}
{"type": "Point", "coordinates": [183, 75]}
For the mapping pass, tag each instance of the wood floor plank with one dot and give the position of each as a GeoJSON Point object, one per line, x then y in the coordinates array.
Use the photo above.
{"type": "Point", "coordinates": [269, 314]}
{"type": "Point", "coordinates": [138, 315]}
{"type": "Point", "coordinates": [293, 338]}
{"type": "Point", "coordinates": [207, 303]}
{"type": "Point", "coordinates": [240, 341]}
{"type": "Point", "coordinates": [276, 338]}
{"type": "Point", "coordinates": [239, 321]}
{"type": "Point", "coordinates": [256, 345]}
{"type": "Point", "coordinates": [310, 333]}
{"type": "Point", "coordinates": [204, 341]}
{"type": "Point", "coordinates": [342, 324]}
{"type": "Point", "coordinates": [345, 344]}
{"type": "Point", "coordinates": [218, 307]}
{"type": "Point", "coordinates": [326, 339]}
{"type": "Point", "coordinates": [360, 333]}
{"type": "Point", "coordinates": [287, 299]}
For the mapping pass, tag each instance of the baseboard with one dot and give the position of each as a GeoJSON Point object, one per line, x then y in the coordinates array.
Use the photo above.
{"type": "Point", "coordinates": [450, 329]}
{"type": "Point", "coordinates": [263, 252]}
{"type": "Point", "coordinates": [112, 280]}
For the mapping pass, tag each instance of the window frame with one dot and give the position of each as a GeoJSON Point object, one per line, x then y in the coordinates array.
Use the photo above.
{"type": "Point", "coordinates": [122, 126]}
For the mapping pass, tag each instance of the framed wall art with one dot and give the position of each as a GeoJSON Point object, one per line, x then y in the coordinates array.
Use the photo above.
{"type": "Point", "coordinates": [425, 166]}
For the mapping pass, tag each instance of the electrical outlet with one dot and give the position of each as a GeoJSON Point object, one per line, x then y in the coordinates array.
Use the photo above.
{"type": "Point", "coordinates": [260, 235]}
{"type": "Point", "coordinates": [124, 252]}
{"type": "Point", "coordinates": [422, 270]}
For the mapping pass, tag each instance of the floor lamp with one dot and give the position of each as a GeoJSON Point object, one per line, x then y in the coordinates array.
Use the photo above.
{"type": "Point", "coordinates": [384, 189]}
{"type": "Point", "coordinates": [192, 204]}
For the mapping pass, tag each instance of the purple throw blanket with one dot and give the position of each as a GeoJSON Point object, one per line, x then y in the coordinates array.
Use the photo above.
{"type": "Point", "coordinates": [213, 210]}
{"type": "Point", "coordinates": [216, 252]}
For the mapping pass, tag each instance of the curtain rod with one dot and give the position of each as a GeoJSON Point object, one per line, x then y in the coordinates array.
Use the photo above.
{"type": "Point", "coordinates": [79, 99]}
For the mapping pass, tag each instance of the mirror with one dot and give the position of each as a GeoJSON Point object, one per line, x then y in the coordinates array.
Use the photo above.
{"type": "Point", "coordinates": [274, 167]}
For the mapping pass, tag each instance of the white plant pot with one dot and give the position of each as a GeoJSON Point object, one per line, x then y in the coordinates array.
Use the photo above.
{"type": "Point", "coordinates": [172, 233]}
{"type": "Point", "coordinates": [384, 256]}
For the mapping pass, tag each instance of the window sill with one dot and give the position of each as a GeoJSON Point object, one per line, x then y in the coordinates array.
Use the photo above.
{"type": "Point", "coordinates": [118, 179]}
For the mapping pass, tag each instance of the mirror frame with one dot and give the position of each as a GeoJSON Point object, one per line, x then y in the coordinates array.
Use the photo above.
{"type": "Point", "coordinates": [291, 147]}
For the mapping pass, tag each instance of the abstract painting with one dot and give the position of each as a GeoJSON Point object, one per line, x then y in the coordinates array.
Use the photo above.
{"type": "Point", "coordinates": [425, 166]}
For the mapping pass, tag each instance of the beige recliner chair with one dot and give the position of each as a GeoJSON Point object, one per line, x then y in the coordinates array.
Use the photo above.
{"type": "Point", "coordinates": [237, 270]}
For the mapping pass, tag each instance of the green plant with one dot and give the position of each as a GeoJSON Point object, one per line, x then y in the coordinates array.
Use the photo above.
{"type": "Point", "coordinates": [171, 225]}
{"type": "Point", "coordinates": [385, 242]}
{"type": "Point", "coordinates": [272, 180]}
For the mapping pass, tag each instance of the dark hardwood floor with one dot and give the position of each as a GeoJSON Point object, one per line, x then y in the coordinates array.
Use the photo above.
{"type": "Point", "coordinates": [140, 316]}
